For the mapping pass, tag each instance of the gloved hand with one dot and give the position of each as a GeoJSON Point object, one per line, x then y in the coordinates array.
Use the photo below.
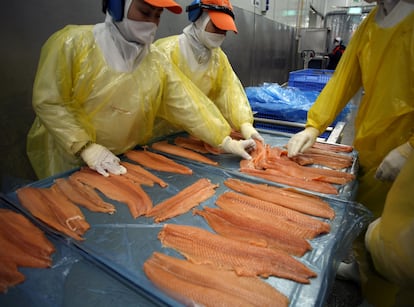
{"type": "Point", "coordinates": [102, 160]}
{"type": "Point", "coordinates": [393, 162]}
{"type": "Point", "coordinates": [237, 147]}
{"type": "Point", "coordinates": [249, 132]}
{"type": "Point", "coordinates": [302, 141]}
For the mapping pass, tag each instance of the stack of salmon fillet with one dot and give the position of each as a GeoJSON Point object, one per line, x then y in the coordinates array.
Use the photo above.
{"type": "Point", "coordinates": [22, 244]}
{"type": "Point", "coordinates": [259, 230]}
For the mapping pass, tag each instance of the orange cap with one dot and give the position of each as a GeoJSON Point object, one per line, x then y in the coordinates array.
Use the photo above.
{"type": "Point", "coordinates": [220, 18]}
{"type": "Point", "coordinates": [170, 5]}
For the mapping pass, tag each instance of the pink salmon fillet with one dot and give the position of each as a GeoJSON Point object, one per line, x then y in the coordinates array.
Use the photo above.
{"type": "Point", "coordinates": [203, 247]}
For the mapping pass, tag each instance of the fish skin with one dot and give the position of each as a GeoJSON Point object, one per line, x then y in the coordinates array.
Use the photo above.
{"type": "Point", "coordinates": [305, 203]}
{"type": "Point", "coordinates": [157, 162]}
{"type": "Point", "coordinates": [196, 279]}
{"type": "Point", "coordinates": [203, 247]}
{"type": "Point", "coordinates": [274, 209]}
{"type": "Point", "coordinates": [242, 228]}
{"type": "Point", "coordinates": [185, 200]}
{"type": "Point", "coordinates": [164, 146]}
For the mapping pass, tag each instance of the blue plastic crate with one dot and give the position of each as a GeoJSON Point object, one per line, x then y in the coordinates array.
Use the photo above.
{"type": "Point", "coordinates": [310, 79]}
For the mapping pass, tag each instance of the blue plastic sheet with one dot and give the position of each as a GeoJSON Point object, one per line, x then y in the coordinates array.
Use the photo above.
{"type": "Point", "coordinates": [284, 103]}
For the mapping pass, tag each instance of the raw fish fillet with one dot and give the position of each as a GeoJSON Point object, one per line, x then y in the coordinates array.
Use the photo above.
{"type": "Point", "coordinates": [300, 219]}
{"type": "Point", "coordinates": [21, 244]}
{"type": "Point", "coordinates": [280, 177]}
{"type": "Point", "coordinates": [146, 175]}
{"type": "Point", "coordinates": [267, 218]}
{"type": "Point", "coordinates": [117, 188]}
{"type": "Point", "coordinates": [17, 227]}
{"type": "Point", "coordinates": [9, 276]}
{"type": "Point", "coordinates": [242, 228]}
{"type": "Point", "coordinates": [40, 206]}
{"type": "Point", "coordinates": [83, 195]}
{"type": "Point", "coordinates": [157, 162]}
{"type": "Point", "coordinates": [191, 143]}
{"type": "Point", "coordinates": [289, 198]}
{"type": "Point", "coordinates": [164, 146]}
{"type": "Point", "coordinates": [183, 201]}
{"type": "Point", "coordinates": [203, 285]}
{"type": "Point", "coordinates": [203, 247]}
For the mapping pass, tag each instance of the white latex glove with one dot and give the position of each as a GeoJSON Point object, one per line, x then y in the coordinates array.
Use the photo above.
{"type": "Point", "coordinates": [102, 160]}
{"type": "Point", "coordinates": [302, 141]}
{"type": "Point", "coordinates": [237, 147]}
{"type": "Point", "coordinates": [249, 132]}
{"type": "Point", "coordinates": [393, 162]}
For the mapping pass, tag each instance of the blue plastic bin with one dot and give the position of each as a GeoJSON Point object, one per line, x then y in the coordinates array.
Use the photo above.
{"type": "Point", "coordinates": [310, 79]}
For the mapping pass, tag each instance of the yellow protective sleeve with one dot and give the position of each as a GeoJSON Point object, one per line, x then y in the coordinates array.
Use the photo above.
{"type": "Point", "coordinates": [218, 81]}
{"type": "Point", "coordinates": [78, 98]}
{"type": "Point", "coordinates": [381, 61]}
{"type": "Point", "coordinates": [391, 241]}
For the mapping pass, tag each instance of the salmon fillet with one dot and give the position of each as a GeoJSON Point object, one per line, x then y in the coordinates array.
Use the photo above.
{"type": "Point", "coordinates": [243, 228]}
{"type": "Point", "coordinates": [35, 200]}
{"type": "Point", "coordinates": [157, 162]}
{"type": "Point", "coordinates": [273, 209]}
{"type": "Point", "coordinates": [203, 285]}
{"type": "Point", "coordinates": [289, 198]}
{"type": "Point", "coordinates": [83, 195]}
{"type": "Point", "coordinates": [164, 146]}
{"type": "Point", "coordinates": [203, 247]}
{"type": "Point", "coordinates": [117, 188]}
{"type": "Point", "coordinates": [183, 201]}
{"type": "Point", "coordinates": [142, 173]}
{"type": "Point", "coordinates": [9, 276]}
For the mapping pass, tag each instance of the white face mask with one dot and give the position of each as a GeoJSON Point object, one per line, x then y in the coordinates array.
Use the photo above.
{"type": "Point", "coordinates": [137, 31]}
{"type": "Point", "coordinates": [211, 40]}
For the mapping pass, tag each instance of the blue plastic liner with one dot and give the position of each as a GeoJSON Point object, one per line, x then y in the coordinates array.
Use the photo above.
{"type": "Point", "coordinates": [285, 103]}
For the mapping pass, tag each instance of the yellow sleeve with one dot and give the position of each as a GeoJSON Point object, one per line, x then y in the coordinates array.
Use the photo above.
{"type": "Point", "coordinates": [343, 85]}
{"type": "Point", "coordinates": [52, 91]}
{"type": "Point", "coordinates": [228, 94]}
{"type": "Point", "coordinates": [186, 107]}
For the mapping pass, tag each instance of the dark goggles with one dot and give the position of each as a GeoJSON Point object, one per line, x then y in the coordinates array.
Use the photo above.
{"type": "Point", "coordinates": [211, 7]}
